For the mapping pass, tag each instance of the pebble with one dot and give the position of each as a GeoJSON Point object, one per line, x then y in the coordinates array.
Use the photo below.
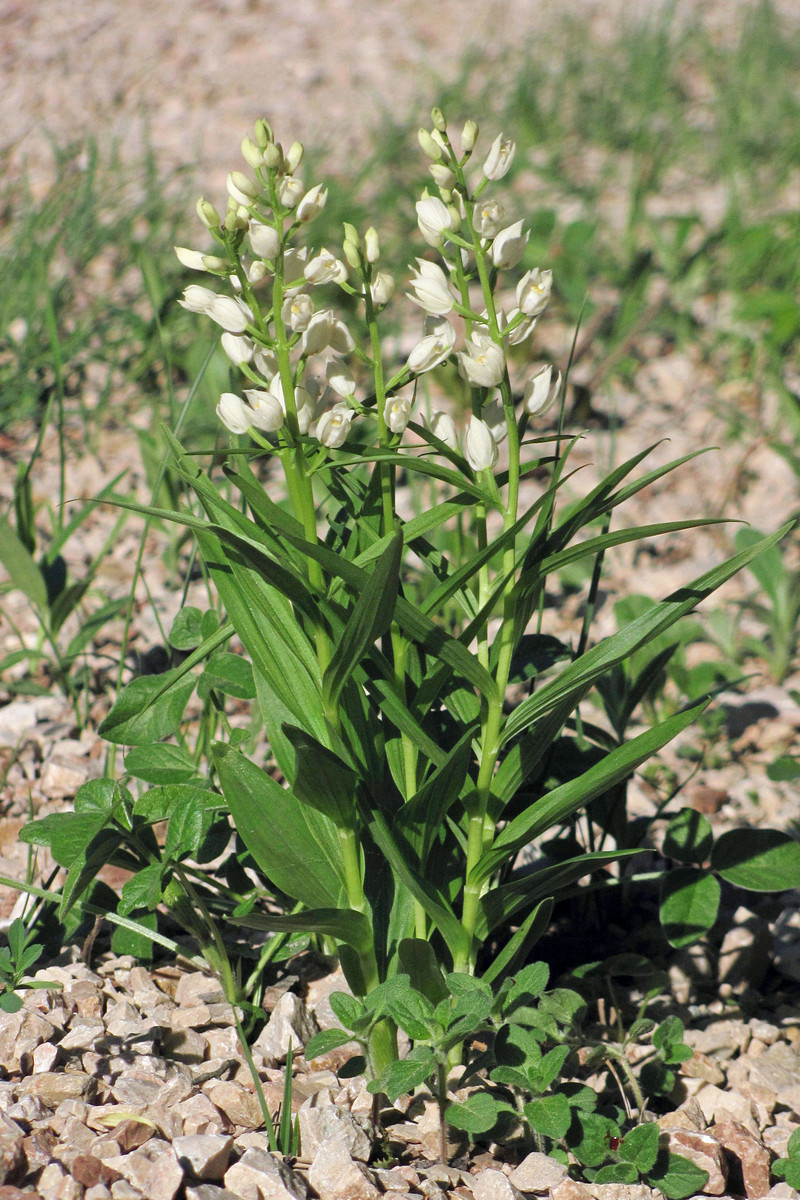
{"type": "Point", "coordinates": [494, 1185]}
{"type": "Point", "coordinates": [290, 1023]}
{"type": "Point", "coordinates": [259, 1175]}
{"type": "Point", "coordinates": [538, 1173]}
{"type": "Point", "coordinates": [204, 1155]}
{"type": "Point", "coordinates": [749, 1160]}
{"type": "Point", "coordinates": [706, 1152]}
{"type": "Point", "coordinates": [334, 1175]}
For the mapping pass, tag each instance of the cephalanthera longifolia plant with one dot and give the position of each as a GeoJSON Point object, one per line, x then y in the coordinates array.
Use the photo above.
{"type": "Point", "coordinates": [407, 782]}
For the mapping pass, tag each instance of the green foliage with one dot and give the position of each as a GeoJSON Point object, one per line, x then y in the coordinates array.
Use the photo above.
{"type": "Point", "coordinates": [15, 961]}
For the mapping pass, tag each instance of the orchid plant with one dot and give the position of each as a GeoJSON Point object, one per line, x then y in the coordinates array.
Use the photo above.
{"type": "Point", "coordinates": [405, 781]}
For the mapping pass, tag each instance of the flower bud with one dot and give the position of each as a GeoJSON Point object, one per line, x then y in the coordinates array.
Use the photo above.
{"type": "Point", "coordinates": [233, 315]}
{"type": "Point", "coordinates": [297, 311]}
{"type": "Point", "coordinates": [293, 157]}
{"type": "Point", "coordinates": [266, 410]}
{"type": "Point", "coordinates": [483, 363]}
{"type": "Point", "coordinates": [381, 288]}
{"type": "Point", "coordinates": [429, 146]}
{"type": "Point", "coordinates": [438, 120]}
{"type": "Point", "coordinates": [494, 416]}
{"type": "Point", "coordinates": [351, 233]}
{"type": "Point", "coordinates": [509, 246]}
{"type": "Point", "coordinates": [469, 136]}
{"type": "Point", "coordinates": [431, 289]}
{"type": "Point", "coordinates": [434, 347]}
{"type": "Point", "coordinates": [238, 349]}
{"type": "Point", "coordinates": [312, 203]}
{"type": "Point", "coordinates": [443, 177]}
{"type": "Point", "coordinates": [208, 214]}
{"type": "Point", "coordinates": [533, 291]}
{"type": "Point", "coordinates": [290, 190]}
{"type": "Point", "coordinates": [233, 412]}
{"type": "Point", "coordinates": [480, 448]}
{"type": "Point", "coordinates": [487, 218]}
{"type": "Point", "coordinates": [273, 156]}
{"type": "Point", "coordinates": [193, 259]}
{"type": "Point", "coordinates": [251, 154]}
{"type": "Point", "coordinates": [334, 425]}
{"type": "Point", "coordinates": [443, 427]}
{"type": "Point", "coordinates": [197, 299]}
{"type": "Point", "coordinates": [499, 158]}
{"type": "Point", "coordinates": [257, 271]}
{"type": "Point", "coordinates": [352, 253]}
{"type": "Point", "coordinates": [264, 240]}
{"type": "Point", "coordinates": [372, 246]}
{"type": "Point", "coordinates": [540, 391]}
{"type": "Point", "coordinates": [240, 188]}
{"type": "Point", "coordinates": [433, 218]}
{"type": "Point", "coordinates": [397, 413]}
{"type": "Point", "coordinates": [339, 379]}
{"type": "Point", "coordinates": [264, 133]}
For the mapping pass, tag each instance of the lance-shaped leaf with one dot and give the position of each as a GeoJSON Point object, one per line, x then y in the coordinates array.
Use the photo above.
{"type": "Point", "coordinates": [370, 619]}
{"type": "Point", "coordinates": [421, 817]}
{"type": "Point", "coordinates": [150, 708]}
{"type": "Point", "coordinates": [573, 680]}
{"type": "Point", "coordinates": [322, 779]}
{"type": "Point", "coordinates": [295, 846]}
{"type": "Point", "coordinates": [498, 905]}
{"type": "Point", "coordinates": [344, 924]}
{"type": "Point", "coordinates": [559, 804]}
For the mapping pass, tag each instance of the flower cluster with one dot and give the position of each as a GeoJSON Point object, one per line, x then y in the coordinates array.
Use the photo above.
{"type": "Point", "coordinates": [291, 352]}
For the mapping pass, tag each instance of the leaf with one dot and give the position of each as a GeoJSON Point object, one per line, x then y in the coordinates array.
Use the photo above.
{"type": "Point", "coordinates": [551, 1116]}
{"type": "Point", "coordinates": [227, 673]}
{"type": "Point", "coordinates": [128, 940]}
{"type": "Point", "coordinates": [528, 984]}
{"type": "Point", "coordinates": [150, 708]}
{"type": "Point", "coordinates": [21, 568]}
{"type": "Point", "coordinates": [759, 860]}
{"type": "Point", "coordinates": [160, 763]}
{"type": "Point", "coordinates": [624, 1172]}
{"type": "Point", "coordinates": [413, 1013]}
{"type": "Point", "coordinates": [575, 678]}
{"type": "Point", "coordinates": [345, 924]}
{"type": "Point", "coordinates": [477, 1114]}
{"type": "Point", "coordinates": [784, 769]}
{"type": "Point", "coordinates": [321, 779]}
{"type": "Point", "coordinates": [589, 1136]}
{"type": "Point", "coordinates": [688, 905]}
{"type": "Point", "coordinates": [402, 1077]}
{"type": "Point", "coordinates": [325, 1041]}
{"type": "Point", "coordinates": [418, 960]}
{"type": "Point", "coordinates": [10, 1002]}
{"type": "Point", "coordinates": [689, 837]}
{"type": "Point", "coordinates": [677, 1177]}
{"type": "Point", "coordinates": [560, 803]}
{"type": "Point", "coordinates": [521, 942]}
{"type": "Point", "coordinates": [141, 891]}
{"type": "Point", "coordinates": [640, 1146]}
{"type": "Point", "coordinates": [370, 619]}
{"type": "Point", "coordinates": [297, 848]}
{"type": "Point", "coordinates": [421, 817]}
{"type": "Point", "coordinates": [349, 1010]}
{"type": "Point", "coordinates": [191, 627]}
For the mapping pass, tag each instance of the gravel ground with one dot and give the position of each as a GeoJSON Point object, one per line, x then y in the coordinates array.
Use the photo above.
{"type": "Point", "coordinates": [196, 73]}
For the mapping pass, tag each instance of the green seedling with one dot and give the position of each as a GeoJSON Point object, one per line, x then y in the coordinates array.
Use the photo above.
{"type": "Point", "coordinates": [15, 961]}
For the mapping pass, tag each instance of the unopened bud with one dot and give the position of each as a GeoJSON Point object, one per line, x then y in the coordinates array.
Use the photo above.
{"type": "Point", "coordinates": [208, 214]}
{"type": "Point", "coordinates": [469, 136]}
{"type": "Point", "coordinates": [273, 156]}
{"type": "Point", "coordinates": [251, 153]}
{"type": "Point", "coordinates": [212, 263]}
{"type": "Point", "coordinates": [439, 141]}
{"type": "Point", "coordinates": [428, 145]}
{"type": "Point", "coordinates": [264, 134]}
{"type": "Point", "coordinates": [352, 253]}
{"type": "Point", "coordinates": [293, 158]}
{"type": "Point", "coordinates": [455, 215]}
{"type": "Point", "coordinates": [442, 175]}
{"type": "Point", "coordinates": [372, 245]}
{"type": "Point", "coordinates": [244, 184]}
{"type": "Point", "coordinates": [351, 233]}
{"type": "Point", "coordinates": [438, 119]}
